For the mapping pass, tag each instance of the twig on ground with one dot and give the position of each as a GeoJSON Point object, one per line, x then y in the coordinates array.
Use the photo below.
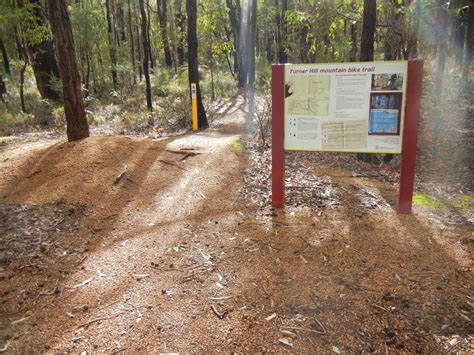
{"type": "Point", "coordinates": [120, 176]}
{"type": "Point", "coordinates": [172, 163]}
{"type": "Point", "coordinates": [306, 329]}
{"type": "Point", "coordinates": [92, 321]}
{"type": "Point", "coordinates": [217, 313]}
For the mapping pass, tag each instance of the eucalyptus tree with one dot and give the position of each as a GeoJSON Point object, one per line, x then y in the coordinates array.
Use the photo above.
{"type": "Point", "coordinates": [77, 127]}
{"type": "Point", "coordinates": [193, 66]}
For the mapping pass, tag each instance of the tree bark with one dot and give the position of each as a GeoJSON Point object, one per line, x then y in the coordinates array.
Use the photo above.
{"type": "Point", "coordinates": [22, 86]}
{"type": "Point", "coordinates": [367, 49]}
{"type": "Point", "coordinates": [121, 21]}
{"type": "Point", "coordinates": [112, 52]}
{"type": "Point", "coordinates": [151, 57]}
{"type": "Point", "coordinates": [193, 66]}
{"type": "Point", "coordinates": [251, 65]}
{"type": "Point", "coordinates": [235, 16]}
{"type": "Point", "coordinates": [43, 61]}
{"type": "Point", "coordinates": [441, 39]}
{"type": "Point", "coordinates": [162, 17]}
{"type": "Point", "coordinates": [132, 42]}
{"type": "Point", "coordinates": [6, 62]}
{"type": "Point", "coordinates": [412, 41]}
{"type": "Point", "coordinates": [77, 127]}
{"type": "Point", "coordinates": [368, 31]}
{"type": "Point", "coordinates": [282, 8]}
{"type": "Point", "coordinates": [146, 51]}
{"type": "Point", "coordinates": [394, 42]}
{"type": "Point", "coordinates": [180, 22]}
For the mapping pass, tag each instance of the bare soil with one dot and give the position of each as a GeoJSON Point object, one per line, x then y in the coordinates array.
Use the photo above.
{"type": "Point", "coordinates": [115, 244]}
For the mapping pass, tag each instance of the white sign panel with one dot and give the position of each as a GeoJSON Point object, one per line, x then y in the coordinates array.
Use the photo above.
{"type": "Point", "coordinates": [345, 107]}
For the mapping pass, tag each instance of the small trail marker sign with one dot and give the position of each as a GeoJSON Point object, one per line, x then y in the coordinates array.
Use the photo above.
{"type": "Point", "coordinates": [369, 107]}
{"type": "Point", "coordinates": [194, 106]}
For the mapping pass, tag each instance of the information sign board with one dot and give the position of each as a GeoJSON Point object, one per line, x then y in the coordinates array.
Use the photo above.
{"type": "Point", "coordinates": [345, 107]}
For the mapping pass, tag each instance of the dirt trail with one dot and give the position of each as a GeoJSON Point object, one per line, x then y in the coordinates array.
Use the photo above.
{"type": "Point", "coordinates": [155, 246]}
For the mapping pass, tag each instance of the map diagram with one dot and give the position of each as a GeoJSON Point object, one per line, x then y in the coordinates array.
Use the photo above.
{"type": "Point", "coordinates": [308, 95]}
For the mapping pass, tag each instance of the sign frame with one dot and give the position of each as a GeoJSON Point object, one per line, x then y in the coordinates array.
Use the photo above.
{"type": "Point", "coordinates": [409, 134]}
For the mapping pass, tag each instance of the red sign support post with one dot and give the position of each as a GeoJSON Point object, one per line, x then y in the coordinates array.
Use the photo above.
{"type": "Point", "coordinates": [278, 134]}
{"type": "Point", "coordinates": [410, 135]}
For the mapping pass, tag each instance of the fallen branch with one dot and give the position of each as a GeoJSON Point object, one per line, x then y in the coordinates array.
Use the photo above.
{"type": "Point", "coordinates": [217, 313]}
{"type": "Point", "coordinates": [120, 176]}
{"type": "Point", "coordinates": [92, 321]}
{"type": "Point", "coordinates": [307, 329]}
{"type": "Point", "coordinates": [172, 163]}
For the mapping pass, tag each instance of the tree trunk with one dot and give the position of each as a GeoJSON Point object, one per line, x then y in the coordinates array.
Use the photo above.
{"type": "Point", "coordinates": [367, 50]}
{"type": "Point", "coordinates": [235, 16]}
{"type": "Point", "coordinates": [121, 21]}
{"type": "Point", "coordinates": [3, 88]}
{"type": "Point", "coordinates": [368, 31]}
{"type": "Point", "coordinates": [193, 66]}
{"type": "Point", "coordinates": [112, 52]}
{"type": "Point", "coordinates": [151, 57]}
{"type": "Point", "coordinates": [281, 7]}
{"type": "Point", "coordinates": [6, 62]}
{"type": "Point", "coordinates": [132, 42]}
{"type": "Point", "coordinates": [77, 127]}
{"type": "Point", "coordinates": [211, 67]}
{"type": "Point", "coordinates": [180, 21]}
{"type": "Point", "coordinates": [252, 43]}
{"type": "Point", "coordinates": [42, 59]}
{"type": "Point", "coordinates": [441, 38]}
{"type": "Point", "coordinates": [146, 51]}
{"type": "Point", "coordinates": [412, 41]}
{"type": "Point", "coordinates": [394, 35]}
{"type": "Point", "coordinates": [22, 86]}
{"type": "Point", "coordinates": [162, 17]}
{"type": "Point", "coordinates": [139, 52]}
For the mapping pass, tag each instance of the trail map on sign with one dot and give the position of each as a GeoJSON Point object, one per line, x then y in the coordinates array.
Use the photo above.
{"type": "Point", "coordinates": [309, 95]}
{"type": "Point", "coordinates": [345, 107]}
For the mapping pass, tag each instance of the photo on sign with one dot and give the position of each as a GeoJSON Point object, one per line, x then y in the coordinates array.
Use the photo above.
{"type": "Point", "coordinates": [385, 113]}
{"type": "Point", "coordinates": [391, 81]}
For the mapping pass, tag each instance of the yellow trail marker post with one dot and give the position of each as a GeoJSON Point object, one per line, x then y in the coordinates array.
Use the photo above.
{"type": "Point", "coordinates": [194, 106]}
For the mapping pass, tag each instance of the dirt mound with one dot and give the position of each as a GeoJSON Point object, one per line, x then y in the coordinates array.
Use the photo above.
{"type": "Point", "coordinates": [88, 172]}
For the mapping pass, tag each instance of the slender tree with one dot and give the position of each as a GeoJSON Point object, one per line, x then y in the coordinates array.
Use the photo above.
{"type": "Point", "coordinates": [132, 42]}
{"type": "Point", "coordinates": [282, 8]}
{"type": "Point", "coordinates": [235, 16]}
{"type": "Point", "coordinates": [77, 127]}
{"type": "Point", "coordinates": [146, 53]}
{"type": "Point", "coordinates": [368, 31]}
{"type": "Point", "coordinates": [162, 17]}
{"type": "Point", "coordinates": [180, 24]}
{"type": "Point", "coordinates": [43, 61]}
{"type": "Point", "coordinates": [367, 49]}
{"type": "Point", "coordinates": [6, 62]}
{"type": "Point", "coordinates": [442, 46]}
{"type": "Point", "coordinates": [112, 49]}
{"type": "Point", "coordinates": [193, 67]}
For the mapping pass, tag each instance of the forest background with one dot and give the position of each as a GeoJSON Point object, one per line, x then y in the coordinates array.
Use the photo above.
{"type": "Point", "coordinates": [132, 57]}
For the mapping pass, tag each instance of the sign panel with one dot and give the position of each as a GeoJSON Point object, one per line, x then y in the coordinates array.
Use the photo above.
{"type": "Point", "coordinates": [345, 107]}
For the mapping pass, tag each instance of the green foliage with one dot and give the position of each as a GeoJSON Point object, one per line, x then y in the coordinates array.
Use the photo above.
{"type": "Point", "coordinates": [236, 146]}
{"type": "Point", "coordinates": [426, 201]}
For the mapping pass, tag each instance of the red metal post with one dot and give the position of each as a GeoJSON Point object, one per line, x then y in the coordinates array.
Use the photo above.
{"type": "Point", "coordinates": [410, 135]}
{"type": "Point", "coordinates": [278, 151]}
